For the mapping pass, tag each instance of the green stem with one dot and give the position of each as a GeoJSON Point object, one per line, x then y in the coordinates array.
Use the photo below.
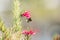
{"type": "Point", "coordinates": [27, 37]}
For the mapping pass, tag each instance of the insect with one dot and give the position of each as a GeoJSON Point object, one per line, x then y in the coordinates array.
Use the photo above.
{"type": "Point", "coordinates": [27, 15]}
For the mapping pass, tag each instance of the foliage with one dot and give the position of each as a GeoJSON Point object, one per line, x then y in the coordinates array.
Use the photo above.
{"type": "Point", "coordinates": [9, 33]}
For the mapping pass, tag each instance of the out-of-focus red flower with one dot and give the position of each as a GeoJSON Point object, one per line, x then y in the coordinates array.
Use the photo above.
{"type": "Point", "coordinates": [25, 32]}
{"type": "Point", "coordinates": [31, 32]}
{"type": "Point", "coordinates": [28, 32]}
{"type": "Point", "coordinates": [26, 14]}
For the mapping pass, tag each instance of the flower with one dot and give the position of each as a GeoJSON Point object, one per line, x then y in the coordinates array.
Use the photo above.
{"type": "Point", "coordinates": [25, 32]}
{"type": "Point", "coordinates": [31, 32]}
{"type": "Point", "coordinates": [28, 32]}
{"type": "Point", "coordinates": [26, 14]}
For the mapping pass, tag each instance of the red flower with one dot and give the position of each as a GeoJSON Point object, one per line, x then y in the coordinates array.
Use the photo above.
{"type": "Point", "coordinates": [26, 14]}
{"type": "Point", "coordinates": [25, 32]}
{"type": "Point", "coordinates": [28, 32]}
{"type": "Point", "coordinates": [31, 32]}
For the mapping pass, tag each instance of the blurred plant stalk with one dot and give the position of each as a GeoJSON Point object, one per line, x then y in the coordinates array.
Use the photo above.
{"type": "Point", "coordinates": [13, 33]}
